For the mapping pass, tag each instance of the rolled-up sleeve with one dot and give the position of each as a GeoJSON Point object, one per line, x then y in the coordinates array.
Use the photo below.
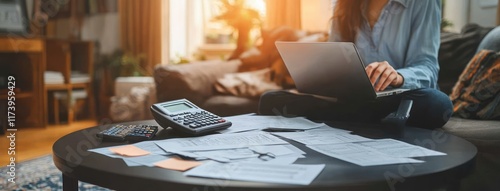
{"type": "Point", "coordinates": [421, 64]}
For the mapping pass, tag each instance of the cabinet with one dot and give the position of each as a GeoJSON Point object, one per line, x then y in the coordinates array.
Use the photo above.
{"type": "Point", "coordinates": [23, 59]}
{"type": "Point", "coordinates": [74, 60]}
{"type": "Point", "coordinates": [27, 59]}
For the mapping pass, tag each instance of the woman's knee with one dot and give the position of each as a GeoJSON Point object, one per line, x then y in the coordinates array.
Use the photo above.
{"type": "Point", "coordinates": [432, 108]}
{"type": "Point", "coordinates": [491, 41]}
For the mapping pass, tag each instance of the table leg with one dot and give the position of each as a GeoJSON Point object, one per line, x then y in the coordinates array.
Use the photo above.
{"type": "Point", "coordinates": [69, 183]}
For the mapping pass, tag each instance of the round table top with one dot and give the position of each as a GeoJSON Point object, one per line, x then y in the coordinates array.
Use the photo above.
{"type": "Point", "coordinates": [73, 159]}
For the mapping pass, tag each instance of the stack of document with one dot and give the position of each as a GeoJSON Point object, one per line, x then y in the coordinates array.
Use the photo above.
{"type": "Point", "coordinates": [53, 77]}
{"type": "Point", "coordinates": [247, 146]}
{"type": "Point", "coordinates": [79, 77]}
{"type": "Point", "coordinates": [250, 122]}
{"type": "Point", "coordinates": [154, 154]}
{"type": "Point", "coordinates": [244, 152]}
{"type": "Point", "coordinates": [359, 150]}
{"type": "Point", "coordinates": [250, 156]}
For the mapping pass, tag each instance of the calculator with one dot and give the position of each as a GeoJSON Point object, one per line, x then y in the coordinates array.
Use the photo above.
{"type": "Point", "coordinates": [131, 133]}
{"type": "Point", "coordinates": [186, 117]}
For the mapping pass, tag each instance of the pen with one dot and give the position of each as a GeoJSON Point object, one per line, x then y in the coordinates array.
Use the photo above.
{"type": "Point", "coordinates": [282, 130]}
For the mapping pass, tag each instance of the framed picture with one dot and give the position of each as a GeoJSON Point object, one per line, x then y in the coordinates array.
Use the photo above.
{"type": "Point", "coordinates": [13, 17]}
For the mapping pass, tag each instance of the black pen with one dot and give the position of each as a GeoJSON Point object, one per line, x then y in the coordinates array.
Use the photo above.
{"type": "Point", "coordinates": [281, 130]}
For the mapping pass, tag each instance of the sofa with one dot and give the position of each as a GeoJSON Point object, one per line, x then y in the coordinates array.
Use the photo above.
{"type": "Point", "coordinates": [195, 81]}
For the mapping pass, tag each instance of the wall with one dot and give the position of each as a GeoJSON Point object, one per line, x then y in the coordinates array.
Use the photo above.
{"type": "Point", "coordinates": [483, 12]}
{"type": "Point", "coordinates": [461, 12]}
{"type": "Point", "coordinates": [316, 14]}
{"type": "Point", "coordinates": [102, 28]}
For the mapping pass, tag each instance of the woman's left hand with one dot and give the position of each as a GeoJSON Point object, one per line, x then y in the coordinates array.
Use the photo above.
{"type": "Point", "coordinates": [385, 74]}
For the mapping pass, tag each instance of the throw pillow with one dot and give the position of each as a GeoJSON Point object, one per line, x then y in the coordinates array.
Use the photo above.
{"type": "Point", "coordinates": [246, 84]}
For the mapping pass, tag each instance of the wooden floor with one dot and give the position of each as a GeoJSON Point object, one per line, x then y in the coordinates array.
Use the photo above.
{"type": "Point", "coordinates": [34, 142]}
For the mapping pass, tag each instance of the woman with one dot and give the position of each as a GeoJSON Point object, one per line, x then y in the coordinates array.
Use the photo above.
{"type": "Point", "coordinates": [400, 40]}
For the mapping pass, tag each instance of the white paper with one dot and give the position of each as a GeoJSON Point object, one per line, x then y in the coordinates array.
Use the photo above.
{"type": "Point", "coordinates": [229, 155]}
{"type": "Point", "coordinates": [259, 172]}
{"type": "Point", "coordinates": [130, 163]}
{"type": "Point", "coordinates": [219, 141]}
{"type": "Point", "coordinates": [151, 147]}
{"type": "Point", "coordinates": [284, 159]}
{"type": "Point", "coordinates": [147, 160]}
{"type": "Point", "coordinates": [327, 130]}
{"type": "Point", "coordinates": [295, 149]}
{"type": "Point", "coordinates": [276, 150]}
{"type": "Point", "coordinates": [299, 123]}
{"type": "Point", "coordinates": [105, 151]}
{"type": "Point", "coordinates": [397, 148]}
{"type": "Point", "coordinates": [360, 155]}
{"type": "Point", "coordinates": [318, 138]}
{"type": "Point", "coordinates": [241, 123]}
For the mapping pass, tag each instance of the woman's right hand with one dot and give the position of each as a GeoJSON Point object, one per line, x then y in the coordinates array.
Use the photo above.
{"type": "Point", "coordinates": [382, 74]}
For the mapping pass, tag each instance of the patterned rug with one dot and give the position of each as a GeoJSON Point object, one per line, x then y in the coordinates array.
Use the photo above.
{"type": "Point", "coordinates": [38, 174]}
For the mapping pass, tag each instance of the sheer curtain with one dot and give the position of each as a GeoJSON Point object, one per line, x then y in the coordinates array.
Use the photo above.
{"type": "Point", "coordinates": [140, 24]}
{"type": "Point", "coordinates": [283, 13]}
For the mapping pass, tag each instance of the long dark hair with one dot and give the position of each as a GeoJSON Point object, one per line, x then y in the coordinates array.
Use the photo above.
{"type": "Point", "coordinates": [347, 18]}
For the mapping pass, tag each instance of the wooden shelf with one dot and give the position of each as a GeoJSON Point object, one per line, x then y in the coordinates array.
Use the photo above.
{"type": "Point", "coordinates": [27, 59]}
{"type": "Point", "coordinates": [11, 44]}
{"type": "Point", "coordinates": [57, 86]}
{"type": "Point", "coordinates": [24, 58]}
{"type": "Point", "coordinates": [65, 56]}
{"type": "Point", "coordinates": [19, 95]}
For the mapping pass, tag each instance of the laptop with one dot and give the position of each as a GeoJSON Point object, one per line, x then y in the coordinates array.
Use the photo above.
{"type": "Point", "coordinates": [329, 69]}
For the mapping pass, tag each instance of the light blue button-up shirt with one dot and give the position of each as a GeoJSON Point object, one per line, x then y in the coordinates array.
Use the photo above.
{"type": "Point", "coordinates": [407, 36]}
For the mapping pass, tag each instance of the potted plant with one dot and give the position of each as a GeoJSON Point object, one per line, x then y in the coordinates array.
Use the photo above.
{"type": "Point", "coordinates": [242, 19]}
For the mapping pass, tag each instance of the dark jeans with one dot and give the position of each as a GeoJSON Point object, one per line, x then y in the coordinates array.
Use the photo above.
{"type": "Point", "coordinates": [431, 108]}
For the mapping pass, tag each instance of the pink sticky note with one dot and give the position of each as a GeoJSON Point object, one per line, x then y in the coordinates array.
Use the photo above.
{"type": "Point", "coordinates": [129, 150]}
{"type": "Point", "coordinates": [177, 164]}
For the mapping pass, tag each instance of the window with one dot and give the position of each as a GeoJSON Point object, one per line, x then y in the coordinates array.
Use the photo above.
{"type": "Point", "coordinates": [189, 24]}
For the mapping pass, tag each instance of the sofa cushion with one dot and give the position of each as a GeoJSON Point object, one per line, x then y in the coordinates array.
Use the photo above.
{"type": "Point", "coordinates": [226, 105]}
{"type": "Point", "coordinates": [246, 84]}
{"type": "Point", "coordinates": [485, 134]}
{"type": "Point", "coordinates": [455, 51]}
{"type": "Point", "coordinates": [193, 81]}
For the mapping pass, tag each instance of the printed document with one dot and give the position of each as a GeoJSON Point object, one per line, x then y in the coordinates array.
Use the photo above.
{"type": "Point", "coordinates": [219, 141]}
{"type": "Point", "coordinates": [241, 123]}
{"type": "Point", "coordinates": [322, 135]}
{"type": "Point", "coordinates": [360, 155]}
{"type": "Point", "coordinates": [229, 155]}
{"type": "Point", "coordinates": [397, 148]}
{"type": "Point", "coordinates": [260, 172]}
{"type": "Point", "coordinates": [151, 147]}
{"type": "Point", "coordinates": [297, 123]}
{"type": "Point", "coordinates": [147, 160]}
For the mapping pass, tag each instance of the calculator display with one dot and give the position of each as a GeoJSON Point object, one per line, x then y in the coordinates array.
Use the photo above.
{"type": "Point", "coordinates": [177, 107]}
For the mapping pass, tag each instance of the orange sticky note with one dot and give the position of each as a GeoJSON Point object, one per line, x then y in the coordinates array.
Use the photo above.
{"type": "Point", "coordinates": [129, 150]}
{"type": "Point", "coordinates": [177, 164]}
